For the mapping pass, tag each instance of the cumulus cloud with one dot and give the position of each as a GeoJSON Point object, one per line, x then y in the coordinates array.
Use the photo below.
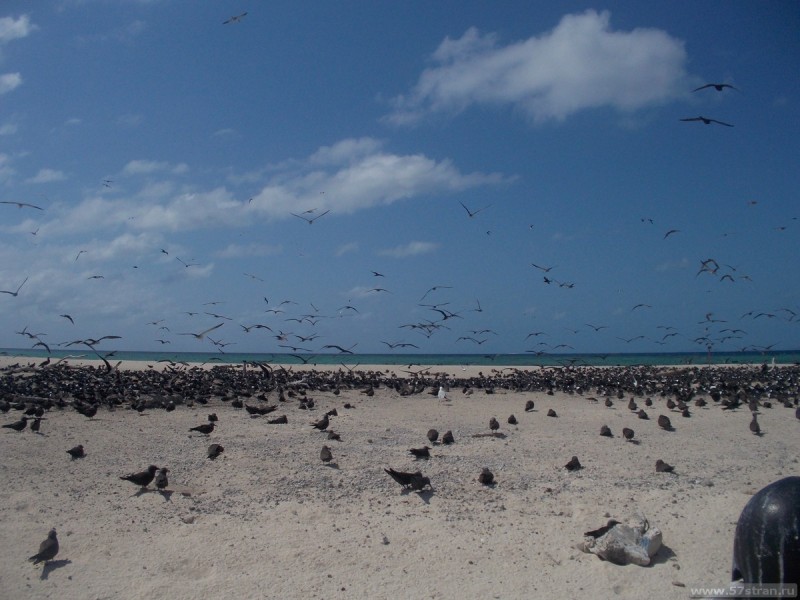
{"type": "Point", "coordinates": [581, 63]}
{"type": "Point", "coordinates": [346, 249]}
{"type": "Point", "coordinates": [46, 176]}
{"type": "Point", "coordinates": [13, 29]}
{"type": "Point", "coordinates": [410, 249]}
{"type": "Point", "coordinates": [9, 82]}
{"type": "Point", "coordinates": [355, 174]}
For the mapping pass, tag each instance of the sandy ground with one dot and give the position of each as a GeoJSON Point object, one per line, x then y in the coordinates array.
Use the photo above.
{"type": "Point", "coordinates": [267, 519]}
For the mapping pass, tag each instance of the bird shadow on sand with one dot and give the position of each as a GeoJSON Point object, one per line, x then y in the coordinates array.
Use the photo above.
{"type": "Point", "coordinates": [332, 465]}
{"type": "Point", "coordinates": [424, 495]}
{"type": "Point", "coordinates": [495, 434]}
{"type": "Point", "coordinates": [52, 565]}
{"type": "Point", "coordinates": [166, 494]}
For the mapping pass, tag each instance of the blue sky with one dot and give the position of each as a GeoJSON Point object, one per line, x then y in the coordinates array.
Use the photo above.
{"type": "Point", "coordinates": [154, 136]}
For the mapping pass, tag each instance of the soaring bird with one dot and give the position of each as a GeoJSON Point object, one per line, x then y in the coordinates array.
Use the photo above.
{"type": "Point", "coordinates": [47, 549]}
{"type": "Point", "coordinates": [707, 121]}
{"type": "Point", "coordinates": [17, 291]}
{"type": "Point", "coordinates": [472, 213]}
{"type": "Point", "coordinates": [415, 481]}
{"type": "Point", "coordinates": [310, 220]}
{"type": "Point", "coordinates": [21, 204]}
{"type": "Point", "coordinates": [202, 334]}
{"type": "Point", "coordinates": [717, 86]}
{"type": "Point", "coordinates": [235, 19]}
{"type": "Point", "coordinates": [142, 478]}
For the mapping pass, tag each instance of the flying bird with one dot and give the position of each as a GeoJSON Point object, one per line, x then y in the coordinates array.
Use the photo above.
{"type": "Point", "coordinates": [18, 289]}
{"type": "Point", "coordinates": [717, 86]}
{"type": "Point", "coordinates": [310, 220]}
{"type": "Point", "coordinates": [202, 334]}
{"type": "Point", "coordinates": [472, 213]}
{"type": "Point", "coordinates": [670, 232]}
{"type": "Point", "coordinates": [707, 121]}
{"type": "Point", "coordinates": [68, 318]}
{"type": "Point", "coordinates": [21, 204]}
{"type": "Point", "coordinates": [235, 19]}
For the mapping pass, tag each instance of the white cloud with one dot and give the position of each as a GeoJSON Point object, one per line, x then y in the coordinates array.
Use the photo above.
{"type": "Point", "coordinates": [356, 174]}
{"type": "Point", "coordinates": [240, 251]}
{"type": "Point", "coordinates": [9, 82]}
{"type": "Point", "coordinates": [580, 64]}
{"type": "Point", "coordinates": [13, 29]}
{"type": "Point", "coordinates": [8, 129]}
{"type": "Point", "coordinates": [346, 249]}
{"type": "Point", "coordinates": [46, 176]}
{"type": "Point", "coordinates": [410, 249]}
{"type": "Point", "coordinates": [138, 167]}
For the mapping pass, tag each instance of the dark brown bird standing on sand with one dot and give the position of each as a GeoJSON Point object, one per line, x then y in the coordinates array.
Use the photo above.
{"type": "Point", "coordinates": [332, 435]}
{"type": "Point", "coordinates": [161, 478]}
{"type": "Point", "coordinates": [662, 467]}
{"type": "Point", "coordinates": [212, 418]}
{"type": "Point", "coordinates": [493, 424]}
{"type": "Point", "coordinates": [322, 424]}
{"type": "Point", "coordinates": [423, 452]}
{"type": "Point", "coordinates": [664, 423]}
{"type": "Point", "coordinates": [282, 420]}
{"type": "Point", "coordinates": [632, 405]}
{"type": "Point", "coordinates": [76, 452]}
{"type": "Point", "coordinates": [325, 454]}
{"type": "Point", "coordinates": [574, 464]}
{"type": "Point", "coordinates": [415, 481]}
{"type": "Point", "coordinates": [214, 450]}
{"type": "Point", "coordinates": [605, 431]}
{"type": "Point", "coordinates": [47, 549]}
{"type": "Point", "coordinates": [627, 433]}
{"type": "Point", "coordinates": [609, 403]}
{"type": "Point", "coordinates": [754, 426]}
{"type": "Point", "coordinates": [551, 413]}
{"type": "Point", "coordinates": [642, 415]}
{"type": "Point", "coordinates": [529, 406]}
{"type": "Point", "coordinates": [596, 533]}
{"type": "Point", "coordinates": [205, 428]}
{"type": "Point", "coordinates": [37, 423]}
{"type": "Point", "coordinates": [486, 477]}
{"type": "Point", "coordinates": [433, 435]}
{"type": "Point", "coordinates": [512, 420]}
{"type": "Point", "coordinates": [448, 438]}
{"type": "Point", "coordinates": [143, 478]}
{"type": "Point", "coordinates": [17, 425]}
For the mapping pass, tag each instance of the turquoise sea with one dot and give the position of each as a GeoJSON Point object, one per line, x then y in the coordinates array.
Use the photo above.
{"type": "Point", "coordinates": [784, 357]}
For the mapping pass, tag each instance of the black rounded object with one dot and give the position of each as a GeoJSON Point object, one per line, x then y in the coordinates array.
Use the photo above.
{"type": "Point", "coordinates": [766, 547]}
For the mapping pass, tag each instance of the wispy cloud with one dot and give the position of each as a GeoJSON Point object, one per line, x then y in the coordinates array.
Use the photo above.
{"type": "Point", "coordinates": [346, 249]}
{"type": "Point", "coordinates": [47, 176]}
{"type": "Point", "coordinates": [146, 167]}
{"type": "Point", "coordinates": [9, 82]}
{"type": "Point", "coordinates": [410, 249]}
{"type": "Point", "coordinates": [240, 251]}
{"type": "Point", "coordinates": [582, 63]}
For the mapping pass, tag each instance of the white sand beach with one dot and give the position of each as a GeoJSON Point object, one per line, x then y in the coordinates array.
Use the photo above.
{"type": "Point", "coordinates": [268, 519]}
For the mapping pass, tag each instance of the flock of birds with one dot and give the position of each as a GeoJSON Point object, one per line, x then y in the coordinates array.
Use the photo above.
{"type": "Point", "coordinates": [37, 391]}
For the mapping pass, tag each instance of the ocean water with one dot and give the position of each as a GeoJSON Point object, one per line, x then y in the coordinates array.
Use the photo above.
{"type": "Point", "coordinates": [789, 357]}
